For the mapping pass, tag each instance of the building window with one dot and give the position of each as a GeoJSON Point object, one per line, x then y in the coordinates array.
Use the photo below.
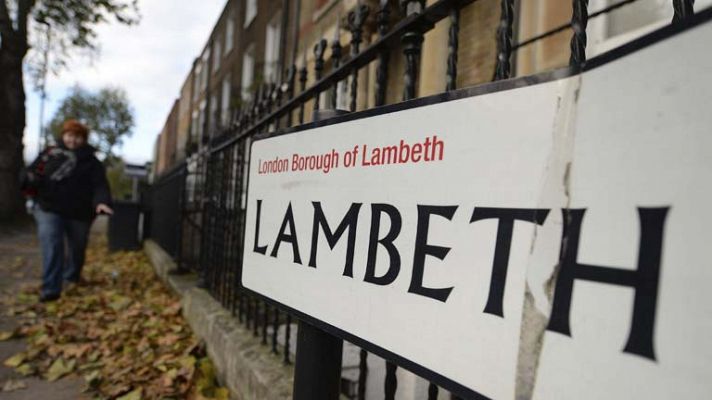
{"type": "Point", "coordinates": [225, 102]}
{"type": "Point", "coordinates": [629, 22]}
{"type": "Point", "coordinates": [204, 70]}
{"type": "Point", "coordinates": [342, 95]}
{"type": "Point", "coordinates": [194, 129]}
{"type": "Point", "coordinates": [250, 11]}
{"type": "Point", "coordinates": [213, 122]}
{"type": "Point", "coordinates": [184, 102]}
{"type": "Point", "coordinates": [229, 34]}
{"type": "Point", "coordinates": [217, 47]}
{"type": "Point", "coordinates": [248, 72]}
{"type": "Point", "coordinates": [272, 44]}
{"type": "Point", "coordinates": [196, 80]}
{"type": "Point", "coordinates": [201, 119]}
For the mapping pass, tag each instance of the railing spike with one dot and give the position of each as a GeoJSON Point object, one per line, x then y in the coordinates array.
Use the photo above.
{"type": "Point", "coordinates": [412, 44]}
{"type": "Point", "coordinates": [336, 59]}
{"type": "Point", "coordinates": [503, 66]}
{"type": "Point", "coordinates": [382, 20]}
{"type": "Point", "coordinates": [356, 17]}
{"type": "Point", "coordinates": [579, 21]}
{"type": "Point", "coordinates": [319, 49]}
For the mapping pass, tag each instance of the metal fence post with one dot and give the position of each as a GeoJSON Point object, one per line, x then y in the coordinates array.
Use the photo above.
{"type": "Point", "coordinates": [317, 368]}
{"type": "Point", "coordinates": [317, 371]}
{"type": "Point", "coordinates": [180, 266]}
{"type": "Point", "coordinates": [682, 9]}
{"type": "Point", "coordinates": [579, 21]}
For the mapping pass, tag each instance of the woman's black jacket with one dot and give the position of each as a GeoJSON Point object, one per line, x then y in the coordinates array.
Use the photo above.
{"type": "Point", "coordinates": [70, 183]}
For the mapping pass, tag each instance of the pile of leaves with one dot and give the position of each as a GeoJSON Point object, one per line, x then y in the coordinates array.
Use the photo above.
{"type": "Point", "coordinates": [121, 330]}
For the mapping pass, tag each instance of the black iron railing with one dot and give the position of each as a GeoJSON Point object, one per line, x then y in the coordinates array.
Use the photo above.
{"type": "Point", "coordinates": [191, 214]}
{"type": "Point", "coordinates": [210, 210]}
{"type": "Point", "coordinates": [163, 199]}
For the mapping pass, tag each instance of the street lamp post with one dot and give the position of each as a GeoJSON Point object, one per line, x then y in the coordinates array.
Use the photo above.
{"type": "Point", "coordinates": [43, 137]}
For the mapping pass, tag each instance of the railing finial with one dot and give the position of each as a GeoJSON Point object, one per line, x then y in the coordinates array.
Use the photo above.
{"type": "Point", "coordinates": [382, 21]}
{"type": "Point", "coordinates": [579, 21]}
{"type": "Point", "coordinates": [302, 86]}
{"type": "Point", "coordinates": [336, 58]}
{"type": "Point", "coordinates": [452, 47]}
{"type": "Point", "coordinates": [319, 49]}
{"type": "Point", "coordinates": [412, 44]}
{"type": "Point", "coordinates": [357, 17]}
{"type": "Point", "coordinates": [503, 67]}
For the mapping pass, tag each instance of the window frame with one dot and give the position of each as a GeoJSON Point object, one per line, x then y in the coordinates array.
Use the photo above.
{"type": "Point", "coordinates": [600, 43]}
{"type": "Point", "coordinates": [217, 53]}
{"type": "Point", "coordinates": [229, 35]}
{"type": "Point", "coordinates": [250, 12]}
{"type": "Point", "coordinates": [273, 39]}
{"type": "Point", "coordinates": [248, 57]}
{"type": "Point", "coordinates": [225, 94]}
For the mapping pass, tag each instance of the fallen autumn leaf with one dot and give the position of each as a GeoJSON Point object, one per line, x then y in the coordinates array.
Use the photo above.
{"type": "Point", "coordinates": [12, 385]}
{"type": "Point", "coordinates": [15, 360]}
{"type": "Point", "coordinates": [126, 337]}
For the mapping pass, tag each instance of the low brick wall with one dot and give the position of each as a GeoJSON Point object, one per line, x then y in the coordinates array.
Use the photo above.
{"type": "Point", "coordinates": [248, 369]}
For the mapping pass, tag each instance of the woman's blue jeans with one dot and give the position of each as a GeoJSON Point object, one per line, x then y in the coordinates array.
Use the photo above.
{"type": "Point", "coordinates": [52, 230]}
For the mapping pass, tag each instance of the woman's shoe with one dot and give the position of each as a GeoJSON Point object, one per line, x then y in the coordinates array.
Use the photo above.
{"type": "Point", "coordinates": [46, 298]}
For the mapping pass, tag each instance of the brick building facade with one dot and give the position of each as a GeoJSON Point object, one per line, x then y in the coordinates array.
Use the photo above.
{"type": "Point", "coordinates": [247, 46]}
{"type": "Point", "coordinates": [254, 42]}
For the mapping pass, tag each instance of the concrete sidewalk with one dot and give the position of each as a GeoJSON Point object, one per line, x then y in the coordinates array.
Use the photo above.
{"type": "Point", "coordinates": [20, 265]}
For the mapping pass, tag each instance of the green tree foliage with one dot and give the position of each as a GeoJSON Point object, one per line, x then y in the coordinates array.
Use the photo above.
{"type": "Point", "coordinates": [107, 113]}
{"type": "Point", "coordinates": [62, 26]}
{"type": "Point", "coordinates": [37, 36]}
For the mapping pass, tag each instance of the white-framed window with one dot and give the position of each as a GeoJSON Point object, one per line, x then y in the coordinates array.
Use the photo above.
{"type": "Point", "coordinates": [196, 80]}
{"type": "Point", "coordinates": [248, 72]}
{"type": "Point", "coordinates": [217, 49]}
{"type": "Point", "coordinates": [342, 95]}
{"type": "Point", "coordinates": [194, 121]}
{"type": "Point", "coordinates": [225, 111]}
{"type": "Point", "coordinates": [250, 11]}
{"type": "Point", "coordinates": [229, 34]}
{"type": "Point", "coordinates": [273, 34]}
{"type": "Point", "coordinates": [628, 22]}
{"type": "Point", "coordinates": [201, 118]}
{"type": "Point", "coordinates": [183, 104]}
{"type": "Point", "coordinates": [214, 107]}
{"type": "Point", "coordinates": [204, 70]}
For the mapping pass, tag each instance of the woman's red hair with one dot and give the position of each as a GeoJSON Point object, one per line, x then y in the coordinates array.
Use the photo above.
{"type": "Point", "coordinates": [76, 127]}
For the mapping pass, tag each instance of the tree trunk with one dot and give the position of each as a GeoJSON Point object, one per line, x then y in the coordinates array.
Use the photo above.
{"type": "Point", "coordinates": [12, 126]}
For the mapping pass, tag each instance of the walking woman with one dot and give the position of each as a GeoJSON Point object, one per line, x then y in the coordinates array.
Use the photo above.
{"type": "Point", "coordinates": [68, 185]}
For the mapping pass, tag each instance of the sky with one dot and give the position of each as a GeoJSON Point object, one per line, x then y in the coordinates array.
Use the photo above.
{"type": "Point", "coordinates": [150, 61]}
